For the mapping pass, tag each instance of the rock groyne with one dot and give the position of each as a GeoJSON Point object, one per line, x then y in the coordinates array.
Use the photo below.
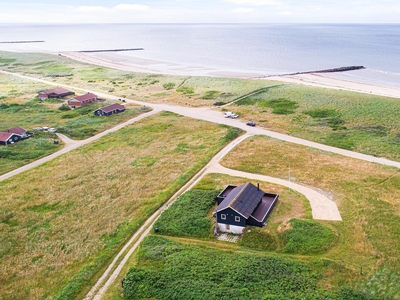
{"type": "Point", "coordinates": [340, 69]}
{"type": "Point", "coordinates": [111, 50]}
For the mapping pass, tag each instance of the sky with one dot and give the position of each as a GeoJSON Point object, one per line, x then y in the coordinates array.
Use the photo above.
{"type": "Point", "coordinates": [200, 11]}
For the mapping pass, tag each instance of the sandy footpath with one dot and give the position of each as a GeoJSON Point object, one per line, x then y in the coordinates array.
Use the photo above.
{"type": "Point", "coordinates": [135, 64]}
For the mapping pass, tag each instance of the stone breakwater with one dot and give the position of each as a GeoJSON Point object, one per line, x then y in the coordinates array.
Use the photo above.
{"type": "Point", "coordinates": [340, 69]}
{"type": "Point", "coordinates": [111, 50]}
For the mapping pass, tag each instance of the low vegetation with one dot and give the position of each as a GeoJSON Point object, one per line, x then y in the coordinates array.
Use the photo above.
{"type": "Point", "coordinates": [307, 237]}
{"type": "Point", "coordinates": [188, 215]}
{"type": "Point", "coordinates": [367, 196]}
{"type": "Point", "coordinates": [169, 270]}
{"type": "Point", "coordinates": [21, 153]}
{"type": "Point", "coordinates": [62, 222]}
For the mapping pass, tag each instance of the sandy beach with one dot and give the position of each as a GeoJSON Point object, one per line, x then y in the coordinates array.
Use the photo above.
{"type": "Point", "coordinates": [135, 64]}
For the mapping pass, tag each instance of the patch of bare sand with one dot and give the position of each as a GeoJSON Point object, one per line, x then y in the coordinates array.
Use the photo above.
{"type": "Point", "coordinates": [325, 81]}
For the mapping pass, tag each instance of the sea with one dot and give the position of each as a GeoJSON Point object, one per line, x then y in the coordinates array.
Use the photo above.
{"type": "Point", "coordinates": [264, 49]}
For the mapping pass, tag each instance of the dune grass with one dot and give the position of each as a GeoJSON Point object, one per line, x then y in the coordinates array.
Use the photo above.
{"type": "Point", "coordinates": [367, 195]}
{"type": "Point", "coordinates": [289, 108]}
{"type": "Point", "coordinates": [61, 223]}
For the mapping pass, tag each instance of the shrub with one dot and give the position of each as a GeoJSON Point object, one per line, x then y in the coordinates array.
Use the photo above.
{"type": "Point", "coordinates": [280, 106]}
{"type": "Point", "coordinates": [185, 90]}
{"type": "Point", "coordinates": [187, 216]}
{"type": "Point", "coordinates": [64, 107]}
{"type": "Point", "coordinates": [307, 236]}
{"type": "Point", "coordinates": [208, 95]}
{"type": "Point", "coordinates": [169, 85]}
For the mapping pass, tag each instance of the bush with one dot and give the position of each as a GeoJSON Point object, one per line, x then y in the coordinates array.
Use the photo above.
{"type": "Point", "coordinates": [185, 90]}
{"type": "Point", "coordinates": [307, 236]}
{"type": "Point", "coordinates": [187, 216]}
{"type": "Point", "coordinates": [64, 107]}
{"type": "Point", "coordinates": [208, 95]}
{"type": "Point", "coordinates": [169, 85]}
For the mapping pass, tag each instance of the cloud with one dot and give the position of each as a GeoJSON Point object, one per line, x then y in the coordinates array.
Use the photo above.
{"type": "Point", "coordinates": [131, 7]}
{"type": "Point", "coordinates": [242, 10]}
{"type": "Point", "coordinates": [255, 2]}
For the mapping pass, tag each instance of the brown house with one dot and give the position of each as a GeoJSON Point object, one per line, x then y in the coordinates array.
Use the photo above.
{"type": "Point", "coordinates": [81, 100]}
{"type": "Point", "coordinates": [17, 130]}
{"type": "Point", "coordinates": [115, 108]}
{"type": "Point", "coordinates": [13, 135]}
{"type": "Point", "coordinates": [54, 93]}
{"type": "Point", "coordinates": [9, 138]}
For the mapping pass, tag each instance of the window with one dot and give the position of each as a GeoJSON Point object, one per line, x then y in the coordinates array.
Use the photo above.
{"type": "Point", "coordinates": [223, 217]}
{"type": "Point", "coordinates": [237, 219]}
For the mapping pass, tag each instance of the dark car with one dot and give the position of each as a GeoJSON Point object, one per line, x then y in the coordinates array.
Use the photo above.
{"type": "Point", "coordinates": [252, 124]}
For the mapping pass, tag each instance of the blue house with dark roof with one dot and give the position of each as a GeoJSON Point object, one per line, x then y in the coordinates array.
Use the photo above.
{"type": "Point", "coordinates": [239, 206]}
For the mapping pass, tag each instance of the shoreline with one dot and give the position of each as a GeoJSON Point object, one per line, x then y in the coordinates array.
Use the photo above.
{"type": "Point", "coordinates": [143, 65]}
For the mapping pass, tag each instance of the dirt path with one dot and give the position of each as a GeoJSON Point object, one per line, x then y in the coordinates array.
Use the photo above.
{"type": "Point", "coordinates": [215, 115]}
{"type": "Point", "coordinates": [322, 208]}
{"type": "Point", "coordinates": [74, 144]}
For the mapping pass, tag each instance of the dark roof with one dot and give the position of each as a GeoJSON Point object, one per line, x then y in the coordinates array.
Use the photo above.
{"type": "Point", "coordinates": [112, 107]}
{"type": "Point", "coordinates": [57, 91]}
{"type": "Point", "coordinates": [4, 136]}
{"type": "Point", "coordinates": [17, 130]}
{"type": "Point", "coordinates": [243, 199]}
{"type": "Point", "coordinates": [264, 207]}
{"type": "Point", "coordinates": [85, 97]}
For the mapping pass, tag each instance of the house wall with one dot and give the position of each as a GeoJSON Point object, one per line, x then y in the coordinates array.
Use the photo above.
{"type": "Point", "coordinates": [231, 217]}
{"type": "Point", "coordinates": [230, 228]}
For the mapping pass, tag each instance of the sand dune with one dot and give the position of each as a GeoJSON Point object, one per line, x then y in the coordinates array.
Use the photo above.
{"type": "Point", "coordinates": [135, 64]}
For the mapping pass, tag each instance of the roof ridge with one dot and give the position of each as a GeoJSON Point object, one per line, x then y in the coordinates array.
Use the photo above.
{"type": "Point", "coordinates": [238, 194]}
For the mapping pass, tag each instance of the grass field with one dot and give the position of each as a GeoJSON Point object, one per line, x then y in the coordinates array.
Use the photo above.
{"type": "Point", "coordinates": [360, 122]}
{"type": "Point", "coordinates": [367, 195]}
{"type": "Point", "coordinates": [60, 223]}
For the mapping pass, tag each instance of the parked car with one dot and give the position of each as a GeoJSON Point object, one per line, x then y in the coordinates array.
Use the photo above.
{"type": "Point", "coordinates": [251, 123]}
{"type": "Point", "coordinates": [52, 130]}
{"type": "Point", "coordinates": [230, 114]}
{"type": "Point", "coordinates": [38, 128]}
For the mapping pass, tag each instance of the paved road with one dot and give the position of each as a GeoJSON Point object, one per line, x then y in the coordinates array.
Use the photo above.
{"type": "Point", "coordinates": [74, 144]}
{"type": "Point", "coordinates": [216, 116]}
{"type": "Point", "coordinates": [322, 208]}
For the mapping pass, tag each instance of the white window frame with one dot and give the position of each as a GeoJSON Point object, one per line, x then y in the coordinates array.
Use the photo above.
{"type": "Point", "coordinates": [223, 216]}
{"type": "Point", "coordinates": [237, 218]}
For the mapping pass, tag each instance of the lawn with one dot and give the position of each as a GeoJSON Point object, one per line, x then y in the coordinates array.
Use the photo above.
{"type": "Point", "coordinates": [62, 222]}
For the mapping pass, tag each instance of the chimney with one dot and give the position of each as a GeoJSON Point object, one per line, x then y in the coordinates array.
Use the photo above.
{"type": "Point", "coordinates": [258, 186]}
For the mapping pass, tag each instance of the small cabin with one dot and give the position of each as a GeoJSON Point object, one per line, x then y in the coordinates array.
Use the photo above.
{"type": "Point", "coordinates": [239, 206]}
{"type": "Point", "coordinates": [115, 108]}
{"type": "Point", "coordinates": [54, 93]}
{"type": "Point", "coordinates": [81, 100]}
{"type": "Point", "coordinates": [7, 138]}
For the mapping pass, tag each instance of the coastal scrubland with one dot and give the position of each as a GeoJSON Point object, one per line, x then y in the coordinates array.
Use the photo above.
{"type": "Point", "coordinates": [62, 222]}
{"type": "Point", "coordinates": [367, 196]}
{"type": "Point", "coordinates": [356, 258]}
{"type": "Point", "coordinates": [360, 122]}
{"type": "Point", "coordinates": [20, 106]}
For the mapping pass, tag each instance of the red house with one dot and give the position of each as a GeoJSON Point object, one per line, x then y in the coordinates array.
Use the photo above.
{"type": "Point", "coordinates": [81, 100]}
{"type": "Point", "coordinates": [18, 131]}
{"type": "Point", "coordinates": [54, 93]}
{"type": "Point", "coordinates": [9, 138]}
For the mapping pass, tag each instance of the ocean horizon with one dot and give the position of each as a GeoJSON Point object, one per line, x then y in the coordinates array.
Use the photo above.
{"type": "Point", "coordinates": [265, 49]}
